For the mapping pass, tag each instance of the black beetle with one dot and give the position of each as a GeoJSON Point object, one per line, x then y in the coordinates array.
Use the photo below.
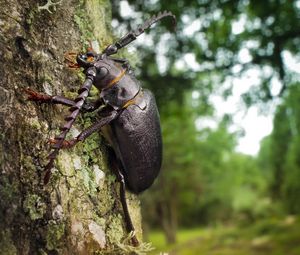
{"type": "Point", "coordinates": [128, 112]}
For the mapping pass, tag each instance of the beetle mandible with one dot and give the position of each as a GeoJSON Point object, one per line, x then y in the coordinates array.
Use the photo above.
{"type": "Point", "coordinates": [127, 111]}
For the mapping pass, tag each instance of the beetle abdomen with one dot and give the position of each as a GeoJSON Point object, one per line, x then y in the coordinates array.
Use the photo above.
{"type": "Point", "coordinates": [138, 143]}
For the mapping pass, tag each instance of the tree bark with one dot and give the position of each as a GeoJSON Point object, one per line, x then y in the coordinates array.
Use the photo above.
{"type": "Point", "coordinates": [79, 211]}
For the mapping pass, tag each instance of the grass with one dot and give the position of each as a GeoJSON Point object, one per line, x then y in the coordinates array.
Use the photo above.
{"type": "Point", "coordinates": [265, 237]}
{"type": "Point", "coordinates": [184, 235]}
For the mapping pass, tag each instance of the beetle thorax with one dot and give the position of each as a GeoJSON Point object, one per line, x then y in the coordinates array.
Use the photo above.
{"type": "Point", "coordinates": [108, 73]}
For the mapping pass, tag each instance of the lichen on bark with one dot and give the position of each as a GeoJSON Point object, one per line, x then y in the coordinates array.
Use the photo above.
{"type": "Point", "coordinates": [79, 211]}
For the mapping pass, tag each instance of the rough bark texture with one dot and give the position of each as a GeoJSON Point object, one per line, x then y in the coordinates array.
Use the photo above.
{"type": "Point", "coordinates": [79, 211]}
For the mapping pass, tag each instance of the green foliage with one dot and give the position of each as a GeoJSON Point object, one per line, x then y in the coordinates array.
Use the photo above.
{"type": "Point", "coordinates": [279, 154]}
{"type": "Point", "coordinates": [203, 179]}
{"type": "Point", "coordinates": [227, 38]}
{"type": "Point", "coordinates": [291, 186]}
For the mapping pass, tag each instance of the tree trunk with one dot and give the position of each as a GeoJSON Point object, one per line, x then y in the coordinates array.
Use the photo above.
{"type": "Point", "coordinates": [79, 211]}
{"type": "Point", "coordinates": [167, 210]}
{"type": "Point", "coordinates": [169, 222]}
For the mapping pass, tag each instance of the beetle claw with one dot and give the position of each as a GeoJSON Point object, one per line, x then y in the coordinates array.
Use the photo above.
{"type": "Point", "coordinates": [70, 60]}
{"type": "Point", "coordinates": [36, 96]}
{"type": "Point", "coordinates": [55, 143]}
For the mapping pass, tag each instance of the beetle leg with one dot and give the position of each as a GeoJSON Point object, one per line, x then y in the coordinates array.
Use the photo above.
{"type": "Point", "coordinates": [65, 145]}
{"type": "Point", "coordinates": [128, 221]}
{"type": "Point", "coordinates": [36, 96]}
{"type": "Point", "coordinates": [43, 98]}
{"type": "Point", "coordinates": [92, 106]}
{"type": "Point", "coordinates": [96, 127]}
{"type": "Point", "coordinates": [85, 133]}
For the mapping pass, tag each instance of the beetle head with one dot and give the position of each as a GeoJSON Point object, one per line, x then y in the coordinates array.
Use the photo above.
{"type": "Point", "coordinates": [104, 68]}
{"type": "Point", "coordinates": [86, 60]}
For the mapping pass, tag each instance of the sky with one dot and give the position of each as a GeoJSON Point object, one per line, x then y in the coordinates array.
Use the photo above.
{"type": "Point", "coordinates": [254, 124]}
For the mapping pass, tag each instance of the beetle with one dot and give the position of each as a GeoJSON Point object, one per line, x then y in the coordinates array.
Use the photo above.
{"type": "Point", "coordinates": [128, 113]}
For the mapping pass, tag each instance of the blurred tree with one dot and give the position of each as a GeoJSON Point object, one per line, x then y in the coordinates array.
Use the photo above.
{"type": "Point", "coordinates": [179, 170]}
{"type": "Point", "coordinates": [291, 185]}
{"type": "Point", "coordinates": [224, 39]}
{"type": "Point", "coordinates": [219, 41]}
{"type": "Point", "coordinates": [282, 149]}
{"type": "Point", "coordinates": [280, 140]}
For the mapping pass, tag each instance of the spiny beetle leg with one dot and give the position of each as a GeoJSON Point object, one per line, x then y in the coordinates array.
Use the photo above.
{"type": "Point", "coordinates": [97, 126]}
{"type": "Point", "coordinates": [56, 142]}
{"type": "Point", "coordinates": [75, 109]}
{"type": "Point", "coordinates": [129, 226]}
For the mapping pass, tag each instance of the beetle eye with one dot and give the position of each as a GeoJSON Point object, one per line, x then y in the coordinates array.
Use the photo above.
{"type": "Point", "coordinates": [102, 72]}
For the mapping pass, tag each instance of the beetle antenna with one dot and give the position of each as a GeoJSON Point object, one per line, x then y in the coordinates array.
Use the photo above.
{"type": "Point", "coordinates": [132, 35]}
{"type": "Point", "coordinates": [70, 119]}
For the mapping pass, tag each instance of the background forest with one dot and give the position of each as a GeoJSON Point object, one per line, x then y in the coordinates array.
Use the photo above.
{"type": "Point", "coordinates": [236, 203]}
